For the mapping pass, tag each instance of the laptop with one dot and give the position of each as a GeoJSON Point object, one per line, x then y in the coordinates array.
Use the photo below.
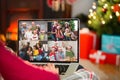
{"type": "Point", "coordinates": [55, 41]}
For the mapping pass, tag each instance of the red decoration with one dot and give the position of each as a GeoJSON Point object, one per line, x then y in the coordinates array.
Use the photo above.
{"type": "Point", "coordinates": [116, 8]}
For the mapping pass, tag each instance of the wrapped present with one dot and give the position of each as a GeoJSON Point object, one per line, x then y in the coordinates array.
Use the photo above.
{"type": "Point", "coordinates": [87, 42]}
{"type": "Point", "coordinates": [97, 56]}
{"type": "Point", "coordinates": [113, 59]}
{"type": "Point", "coordinates": [111, 44]}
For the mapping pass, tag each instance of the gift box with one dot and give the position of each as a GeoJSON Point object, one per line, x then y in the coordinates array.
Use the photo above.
{"type": "Point", "coordinates": [87, 42]}
{"type": "Point", "coordinates": [112, 59]}
{"type": "Point", "coordinates": [97, 56]}
{"type": "Point", "coordinates": [111, 44]}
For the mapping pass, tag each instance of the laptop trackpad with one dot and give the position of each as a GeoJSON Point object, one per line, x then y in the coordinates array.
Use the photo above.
{"type": "Point", "coordinates": [71, 69]}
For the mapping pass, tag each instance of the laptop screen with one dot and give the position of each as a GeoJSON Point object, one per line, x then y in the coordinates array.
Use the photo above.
{"type": "Point", "coordinates": [49, 40]}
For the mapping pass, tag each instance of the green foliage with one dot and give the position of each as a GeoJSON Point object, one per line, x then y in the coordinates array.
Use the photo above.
{"type": "Point", "coordinates": [72, 25]}
{"type": "Point", "coordinates": [106, 21]}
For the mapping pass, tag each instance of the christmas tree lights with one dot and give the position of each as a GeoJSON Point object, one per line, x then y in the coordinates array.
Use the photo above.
{"type": "Point", "coordinates": [104, 17]}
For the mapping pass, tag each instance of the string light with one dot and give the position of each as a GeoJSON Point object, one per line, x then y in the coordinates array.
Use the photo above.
{"type": "Point", "coordinates": [94, 17]}
{"type": "Point", "coordinates": [89, 21]}
{"type": "Point", "coordinates": [111, 17]}
{"type": "Point", "coordinates": [89, 16]}
{"type": "Point", "coordinates": [90, 10]}
{"type": "Point", "coordinates": [105, 6]}
{"type": "Point", "coordinates": [103, 22]}
{"type": "Point", "coordinates": [119, 5]}
{"type": "Point", "coordinates": [117, 13]}
{"type": "Point", "coordinates": [94, 5]}
{"type": "Point", "coordinates": [103, 0]}
{"type": "Point", "coordinates": [112, 7]}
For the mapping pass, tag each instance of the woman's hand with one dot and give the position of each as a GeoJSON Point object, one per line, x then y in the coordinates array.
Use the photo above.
{"type": "Point", "coordinates": [51, 67]}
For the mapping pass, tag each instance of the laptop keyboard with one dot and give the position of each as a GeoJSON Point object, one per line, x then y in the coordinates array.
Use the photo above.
{"type": "Point", "coordinates": [62, 68]}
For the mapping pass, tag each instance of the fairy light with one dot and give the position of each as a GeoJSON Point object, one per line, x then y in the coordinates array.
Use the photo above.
{"type": "Point", "coordinates": [94, 17]}
{"type": "Point", "coordinates": [89, 16]}
{"type": "Point", "coordinates": [94, 5]}
{"type": "Point", "coordinates": [90, 10]}
{"type": "Point", "coordinates": [111, 17]}
{"type": "Point", "coordinates": [117, 13]}
{"type": "Point", "coordinates": [105, 6]}
{"type": "Point", "coordinates": [103, 22]}
{"type": "Point", "coordinates": [89, 21]}
{"type": "Point", "coordinates": [112, 7]}
{"type": "Point", "coordinates": [103, 0]}
{"type": "Point", "coordinates": [119, 5]}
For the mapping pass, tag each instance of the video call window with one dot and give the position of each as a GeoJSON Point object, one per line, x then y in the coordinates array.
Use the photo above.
{"type": "Point", "coordinates": [48, 40]}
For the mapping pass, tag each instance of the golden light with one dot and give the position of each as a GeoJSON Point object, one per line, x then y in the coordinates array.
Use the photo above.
{"type": "Point", "coordinates": [111, 17]}
{"type": "Point", "coordinates": [103, 0]}
{"type": "Point", "coordinates": [103, 22]}
{"type": "Point", "coordinates": [89, 16]}
{"type": "Point", "coordinates": [94, 17]}
{"type": "Point", "coordinates": [105, 6]}
{"type": "Point", "coordinates": [94, 5]}
{"type": "Point", "coordinates": [119, 5]}
{"type": "Point", "coordinates": [89, 21]}
{"type": "Point", "coordinates": [90, 10]}
{"type": "Point", "coordinates": [117, 13]}
{"type": "Point", "coordinates": [112, 7]}
{"type": "Point", "coordinates": [12, 31]}
{"type": "Point", "coordinates": [2, 37]}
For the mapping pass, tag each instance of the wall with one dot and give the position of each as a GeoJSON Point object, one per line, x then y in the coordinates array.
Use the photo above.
{"type": "Point", "coordinates": [81, 6]}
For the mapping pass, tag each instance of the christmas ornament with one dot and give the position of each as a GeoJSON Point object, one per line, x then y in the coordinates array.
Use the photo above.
{"type": "Point", "coordinates": [116, 8]}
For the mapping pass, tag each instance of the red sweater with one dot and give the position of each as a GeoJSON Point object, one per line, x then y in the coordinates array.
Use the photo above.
{"type": "Point", "coordinates": [14, 68]}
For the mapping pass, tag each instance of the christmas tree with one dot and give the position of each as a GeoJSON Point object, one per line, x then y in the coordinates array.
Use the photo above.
{"type": "Point", "coordinates": [104, 17]}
